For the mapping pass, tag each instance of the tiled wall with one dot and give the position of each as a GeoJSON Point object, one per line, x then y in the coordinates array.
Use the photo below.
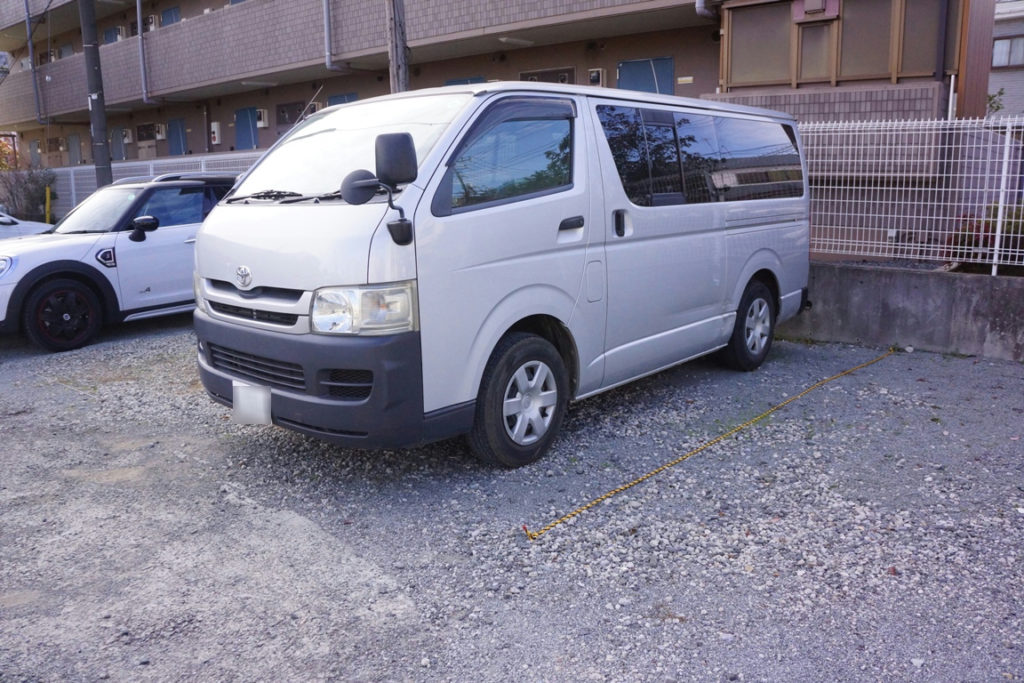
{"type": "Point", "coordinates": [922, 100]}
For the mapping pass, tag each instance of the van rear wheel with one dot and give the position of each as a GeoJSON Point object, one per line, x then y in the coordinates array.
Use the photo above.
{"type": "Point", "coordinates": [522, 401]}
{"type": "Point", "coordinates": [754, 329]}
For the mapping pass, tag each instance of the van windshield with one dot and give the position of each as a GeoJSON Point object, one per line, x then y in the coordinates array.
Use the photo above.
{"type": "Point", "coordinates": [319, 152]}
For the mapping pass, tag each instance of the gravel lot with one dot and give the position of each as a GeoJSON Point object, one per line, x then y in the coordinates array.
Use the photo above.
{"type": "Point", "coordinates": [871, 530]}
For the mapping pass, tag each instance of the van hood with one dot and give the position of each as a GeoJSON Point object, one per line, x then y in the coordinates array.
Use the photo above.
{"type": "Point", "coordinates": [291, 246]}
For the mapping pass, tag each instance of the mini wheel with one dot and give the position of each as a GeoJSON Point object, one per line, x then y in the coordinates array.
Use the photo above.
{"type": "Point", "coordinates": [61, 315]}
{"type": "Point", "coordinates": [522, 401]}
{"type": "Point", "coordinates": [754, 329]}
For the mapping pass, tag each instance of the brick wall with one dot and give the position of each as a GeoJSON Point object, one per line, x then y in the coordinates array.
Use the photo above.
{"type": "Point", "coordinates": [924, 100]}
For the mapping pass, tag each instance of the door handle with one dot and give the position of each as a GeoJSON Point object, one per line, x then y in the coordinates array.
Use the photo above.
{"type": "Point", "coordinates": [191, 240]}
{"type": "Point", "coordinates": [573, 223]}
{"type": "Point", "coordinates": [619, 216]}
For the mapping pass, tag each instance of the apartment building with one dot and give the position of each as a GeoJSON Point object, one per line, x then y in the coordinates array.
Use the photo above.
{"type": "Point", "coordinates": [858, 60]}
{"type": "Point", "coordinates": [205, 76]}
{"type": "Point", "coordinates": [1008, 57]}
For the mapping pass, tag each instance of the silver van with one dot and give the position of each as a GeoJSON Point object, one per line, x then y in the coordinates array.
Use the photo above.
{"type": "Point", "coordinates": [516, 246]}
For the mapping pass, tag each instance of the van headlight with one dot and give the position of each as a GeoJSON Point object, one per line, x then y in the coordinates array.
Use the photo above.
{"type": "Point", "coordinates": [5, 264]}
{"type": "Point", "coordinates": [375, 310]}
{"type": "Point", "coordinates": [197, 292]}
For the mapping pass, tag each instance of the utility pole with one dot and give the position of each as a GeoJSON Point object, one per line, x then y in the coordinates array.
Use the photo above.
{"type": "Point", "coordinates": [94, 85]}
{"type": "Point", "coordinates": [397, 49]}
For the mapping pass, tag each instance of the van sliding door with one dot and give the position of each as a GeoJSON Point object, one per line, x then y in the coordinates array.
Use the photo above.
{"type": "Point", "coordinates": [664, 246]}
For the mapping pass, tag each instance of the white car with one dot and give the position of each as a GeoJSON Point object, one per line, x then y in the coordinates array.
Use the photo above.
{"type": "Point", "coordinates": [15, 227]}
{"type": "Point", "coordinates": [125, 253]}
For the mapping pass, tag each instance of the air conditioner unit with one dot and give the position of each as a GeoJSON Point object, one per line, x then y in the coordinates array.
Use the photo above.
{"type": "Point", "coordinates": [26, 64]}
{"type": "Point", "coordinates": [151, 22]}
{"type": "Point", "coordinates": [597, 77]}
{"type": "Point", "coordinates": [126, 135]}
{"type": "Point", "coordinates": [215, 133]}
{"type": "Point", "coordinates": [62, 144]}
{"type": "Point", "coordinates": [160, 131]}
{"type": "Point", "coordinates": [262, 118]}
{"type": "Point", "coordinates": [314, 107]}
{"type": "Point", "coordinates": [121, 33]}
{"type": "Point", "coordinates": [207, 10]}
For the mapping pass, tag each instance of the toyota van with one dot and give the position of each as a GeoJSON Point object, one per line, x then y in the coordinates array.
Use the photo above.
{"type": "Point", "coordinates": [470, 259]}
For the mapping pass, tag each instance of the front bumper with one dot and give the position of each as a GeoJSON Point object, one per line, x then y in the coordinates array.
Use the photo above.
{"type": "Point", "coordinates": [382, 409]}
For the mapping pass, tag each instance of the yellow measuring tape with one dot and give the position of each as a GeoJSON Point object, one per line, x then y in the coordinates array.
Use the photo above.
{"type": "Point", "coordinates": [534, 535]}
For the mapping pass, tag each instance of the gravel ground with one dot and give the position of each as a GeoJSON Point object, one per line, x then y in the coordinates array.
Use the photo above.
{"type": "Point", "coordinates": [871, 530]}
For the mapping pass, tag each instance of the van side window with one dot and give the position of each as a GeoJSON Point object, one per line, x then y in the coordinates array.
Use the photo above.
{"type": "Point", "coordinates": [759, 160]}
{"type": "Point", "coordinates": [519, 148]}
{"type": "Point", "coordinates": [698, 147]}
{"type": "Point", "coordinates": [663, 150]}
{"type": "Point", "coordinates": [512, 159]}
{"type": "Point", "coordinates": [668, 158]}
{"type": "Point", "coordinates": [624, 130]}
{"type": "Point", "coordinates": [645, 147]}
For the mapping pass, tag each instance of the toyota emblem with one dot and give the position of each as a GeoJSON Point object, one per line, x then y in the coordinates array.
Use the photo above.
{"type": "Point", "coordinates": [243, 275]}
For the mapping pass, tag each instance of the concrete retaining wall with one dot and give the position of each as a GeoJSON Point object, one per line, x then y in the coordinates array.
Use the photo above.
{"type": "Point", "coordinates": [976, 315]}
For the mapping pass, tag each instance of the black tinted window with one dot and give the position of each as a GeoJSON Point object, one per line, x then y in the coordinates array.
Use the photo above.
{"type": "Point", "coordinates": [759, 160]}
{"type": "Point", "coordinates": [666, 185]}
{"type": "Point", "coordinates": [624, 130]}
{"type": "Point", "coordinates": [698, 147]}
{"type": "Point", "coordinates": [175, 205]}
{"type": "Point", "coordinates": [675, 158]}
{"type": "Point", "coordinates": [512, 159]}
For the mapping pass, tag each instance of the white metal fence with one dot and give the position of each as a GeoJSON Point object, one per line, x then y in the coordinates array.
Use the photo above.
{"type": "Point", "coordinates": [78, 182]}
{"type": "Point", "coordinates": [916, 190]}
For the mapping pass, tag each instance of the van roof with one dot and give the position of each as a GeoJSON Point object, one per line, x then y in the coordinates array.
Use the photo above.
{"type": "Point", "coordinates": [595, 91]}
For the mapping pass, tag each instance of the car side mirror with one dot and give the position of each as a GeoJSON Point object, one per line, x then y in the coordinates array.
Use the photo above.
{"type": "Point", "coordinates": [142, 225]}
{"type": "Point", "coordinates": [396, 159]}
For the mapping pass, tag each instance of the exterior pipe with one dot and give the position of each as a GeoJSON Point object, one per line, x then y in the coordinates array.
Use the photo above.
{"type": "Point", "coordinates": [32, 59]}
{"type": "Point", "coordinates": [328, 35]}
{"type": "Point", "coordinates": [142, 54]}
{"type": "Point", "coordinates": [940, 55]}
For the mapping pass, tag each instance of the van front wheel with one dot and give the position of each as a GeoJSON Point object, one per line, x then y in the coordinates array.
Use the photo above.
{"type": "Point", "coordinates": [755, 327]}
{"type": "Point", "coordinates": [522, 402]}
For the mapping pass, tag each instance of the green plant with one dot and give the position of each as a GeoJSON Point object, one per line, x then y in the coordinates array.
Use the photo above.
{"type": "Point", "coordinates": [24, 192]}
{"type": "Point", "coordinates": [978, 234]}
{"type": "Point", "coordinates": [995, 101]}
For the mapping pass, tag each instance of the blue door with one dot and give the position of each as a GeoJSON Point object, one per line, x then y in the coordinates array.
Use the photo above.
{"type": "Point", "coordinates": [74, 150]}
{"type": "Point", "coordinates": [117, 143]}
{"type": "Point", "coordinates": [648, 75]}
{"type": "Point", "coordinates": [177, 142]}
{"type": "Point", "coordinates": [245, 129]}
{"type": "Point", "coordinates": [341, 99]}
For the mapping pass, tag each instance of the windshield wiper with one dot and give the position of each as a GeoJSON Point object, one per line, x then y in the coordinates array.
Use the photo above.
{"type": "Point", "coordinates": [264, 194]}
{"type": "Point", "coordinates": [314, 197]}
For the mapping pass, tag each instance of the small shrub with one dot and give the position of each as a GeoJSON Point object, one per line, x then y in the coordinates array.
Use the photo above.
{"type": "Point", "coordinates": [24, 192]}
{"type": "Point", "coordinates": [976, 237]}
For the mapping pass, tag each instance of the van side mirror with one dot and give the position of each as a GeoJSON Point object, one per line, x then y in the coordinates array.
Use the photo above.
{"type": "Point", "coordinates": [396, 159]}
{"type": "Point", "coordinates": [141, 225]}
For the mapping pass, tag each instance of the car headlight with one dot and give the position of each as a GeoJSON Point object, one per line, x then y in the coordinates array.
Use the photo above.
{"type": "Point", "coordinates": [5, 264]}
{"type": "Point", "coordinates": [372, 310]}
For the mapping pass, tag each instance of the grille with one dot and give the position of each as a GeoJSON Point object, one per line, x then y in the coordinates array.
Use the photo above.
{"type": "Point", "coordinates": [266, 370]}
{"type": "Point", "coordinates": [348, 385]}
{"type": "Point", "coordinates": [253, 314]}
